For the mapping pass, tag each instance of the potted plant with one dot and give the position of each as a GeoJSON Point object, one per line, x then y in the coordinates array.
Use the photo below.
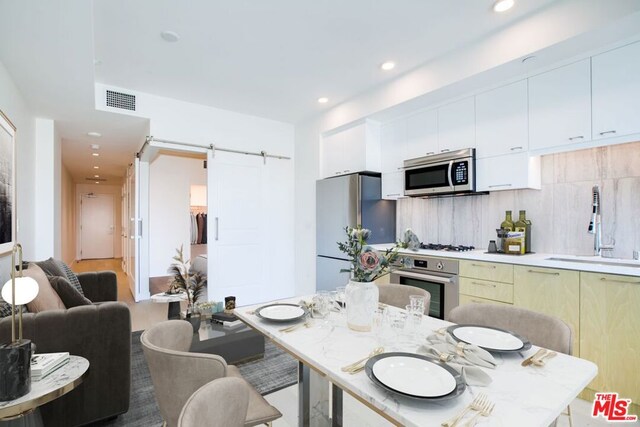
{"type": "Point", "coordinates": [367, 265]}
{"type": "Point", "coordinates": [192, 284]}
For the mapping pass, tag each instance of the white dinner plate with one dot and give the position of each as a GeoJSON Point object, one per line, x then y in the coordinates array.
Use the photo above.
{"type": "Point", "coordinates": [488, 338]}
{"type": "Point", "coordinates": [414, 376]}
{"type": "Point", "coordinates": [281, 312]}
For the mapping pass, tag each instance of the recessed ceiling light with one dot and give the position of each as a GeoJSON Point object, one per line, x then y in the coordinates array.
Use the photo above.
{"type": "Point", "coordinates": [323, 100]}
{"type": "Point", "coordinates": [97, 182]}
{"type": "Point", "coordinates": [96, 167]}
{"type": "Point", "coordinates": [502, 5]}
{"type": "Point", "coordinates": [96, 176]}
{"type": "Point", "coordinates": [94, 134]}
{"type": "Point", "coordinates": [95, 154]}
{"type": "Point", "coordinates": [170, 36]}
{"type": "Point", "coordinates": [386, 66]}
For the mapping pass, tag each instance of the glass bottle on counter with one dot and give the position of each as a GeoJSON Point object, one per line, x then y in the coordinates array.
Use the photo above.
{"type": "Point", "coordinates": [527, 231]}
{"type": "Point", "coordinates": [521, 226]}
{"type": "Point", "coordinates": [507, 224]}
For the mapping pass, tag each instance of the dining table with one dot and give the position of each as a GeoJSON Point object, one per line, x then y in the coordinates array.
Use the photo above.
{"type": "Point", "coordinates": [522, 395]}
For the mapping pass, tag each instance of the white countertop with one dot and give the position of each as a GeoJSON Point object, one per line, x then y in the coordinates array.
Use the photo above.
{"type": "Point", "coordinates": [533, 260]}
{"type": "Point", "coordinates": [528, 396]}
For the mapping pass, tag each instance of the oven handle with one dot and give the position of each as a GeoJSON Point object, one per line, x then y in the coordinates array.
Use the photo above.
{"type": "Point", "coordinates": [449, 173]}
{"type": "Point", "coordinates": [424, 276]}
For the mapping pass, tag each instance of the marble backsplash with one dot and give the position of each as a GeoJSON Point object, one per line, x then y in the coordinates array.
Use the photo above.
{"type": "Point", "coordinates": [560, 211]}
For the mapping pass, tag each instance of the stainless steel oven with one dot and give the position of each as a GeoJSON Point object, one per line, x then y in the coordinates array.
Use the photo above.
{"type": "Point", "coordinates": [446, 173]}
{"type": "Point", "coordinates": [438, 276]}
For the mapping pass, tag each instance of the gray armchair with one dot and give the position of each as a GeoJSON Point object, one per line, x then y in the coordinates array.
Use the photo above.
{"type": "Point", "coordinates": [176, 373]}
{"type": "Point", "coordinates": [220, 403]}
{"type": "Point", "coordinates": [101, 333]}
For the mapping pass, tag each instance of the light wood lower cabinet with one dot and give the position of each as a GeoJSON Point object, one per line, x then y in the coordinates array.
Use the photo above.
{"type": "Point", "coordinates": [550, 291]}
{"type": "Point", "coordinates": [470, 299]}
{"type": "Point", "coordinates": [487, 289]}
{"type": "Point", "coordinates": [493, 271]}
{"type": "Point", "coordinates": [610, 332]}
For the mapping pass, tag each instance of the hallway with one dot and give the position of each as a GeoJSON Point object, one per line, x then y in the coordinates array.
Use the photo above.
{"type": "Point", "coordinates": [143, 314]}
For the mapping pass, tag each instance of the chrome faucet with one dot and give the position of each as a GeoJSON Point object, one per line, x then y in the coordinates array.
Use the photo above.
{"type": "Point", "coordinates": [595, 226]}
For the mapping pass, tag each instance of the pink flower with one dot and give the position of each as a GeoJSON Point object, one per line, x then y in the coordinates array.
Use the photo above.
{"type": "Point", "coordinates": [369, 260]}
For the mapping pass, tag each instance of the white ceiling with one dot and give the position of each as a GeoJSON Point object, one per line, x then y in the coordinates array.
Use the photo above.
{"type": "Point", "coordinates": [275, 58]}
{"type": "Point", "coordinates": [271, 58]}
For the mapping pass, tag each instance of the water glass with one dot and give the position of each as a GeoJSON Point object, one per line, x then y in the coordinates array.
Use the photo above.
{"type": "Point", "coordinates": [417, 303]}
{"type": "Point", "coordinates": [342, 296]}
{"type": "Point", "coordinates": [321, 305]}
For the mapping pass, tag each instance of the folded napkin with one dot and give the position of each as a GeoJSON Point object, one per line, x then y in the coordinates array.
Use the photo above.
{"type": "Point", "coordinates": [464, 358]}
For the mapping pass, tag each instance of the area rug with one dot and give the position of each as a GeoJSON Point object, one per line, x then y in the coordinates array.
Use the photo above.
{"type": "Point", "coordinates": [275, 371]}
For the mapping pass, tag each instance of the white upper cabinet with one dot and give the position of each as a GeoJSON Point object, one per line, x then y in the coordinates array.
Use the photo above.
{"type": "Point", "coordinates": [457, 125]}
{"type": "Point", "coordinates": [422, 134]}
{"type": "Point", "coordinates": [393, 145]}
{"type": "Point", "coordinates": [560, 106]}
{"type": "Point", "coordinates": [355, 149]}
{"type": "Point", "coordinates": [616, 92]}
{"type": "Point", "coordinates": [392, 185]}
{"type": "Point", "coordinates": [508, 172]}
{"type": "Point", "coordinates": [501, 120]}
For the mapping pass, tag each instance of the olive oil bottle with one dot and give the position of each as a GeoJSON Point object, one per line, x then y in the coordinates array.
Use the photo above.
{"type": "Point", "coordinates": [521, 226]}
{"type": "Point", "coordinates": [507, 224]}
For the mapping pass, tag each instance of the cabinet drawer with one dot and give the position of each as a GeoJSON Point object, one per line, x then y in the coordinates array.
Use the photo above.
{"type": "Point", "coordinates": [492, 271]}
{"type": "Point", "coordinates": [468, 299]}
{"type": "Point", "coordinates": [487, 289]}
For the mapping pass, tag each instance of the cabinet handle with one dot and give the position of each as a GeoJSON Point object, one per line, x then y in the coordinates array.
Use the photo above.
{"type": "Point", "coordinates": [394, 194]}
{"type": "Point", "coordinates": [604, 279]}
{"type": "Point", "coordinates": [444, 150]}
{"type": "Point", "coordinates": [430, 153]}
{"type": "Point", "coordinates": [484, 284]}
{"type": "Point", "coordinates": [607, 131]}
{"type": "Point", "coordinates": [346, 170]}
{"type": "Point", "coordinates": [484, 266]}
{"type": "Point", "coordinates": [576, 137]}
{"type": "Point", "coordinates": [476, 301]}
{"type": "Point", "coordinates": [500, 185]}
{"type": "Point", "coordinates": [400, 168]}
{"type": "Point", "coordinates": [552, 273]}
{"type": "Point", "coordinates": [515, 148]}
{"type": "Point", "coordinates": [217, 229]}
{"type": "Point", "coordinates": [337, 173]}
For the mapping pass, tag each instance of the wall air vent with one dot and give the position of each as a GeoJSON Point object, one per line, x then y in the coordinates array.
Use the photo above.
{"type": "Point", "coordinates": [124, 101]}
{"type": "Point", "coordinates": [96, 179]}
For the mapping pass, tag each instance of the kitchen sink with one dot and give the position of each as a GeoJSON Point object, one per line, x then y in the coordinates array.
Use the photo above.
{"type": "Point", "coordinates": [600, 261]}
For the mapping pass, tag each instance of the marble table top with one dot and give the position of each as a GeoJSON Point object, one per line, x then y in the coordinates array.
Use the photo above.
{"type": "Point", "coordinates": [523, 396]}
{"type": "Point", "coordinates": [54, 385]}
{"type": "Point", "coordinates": [164, 298]}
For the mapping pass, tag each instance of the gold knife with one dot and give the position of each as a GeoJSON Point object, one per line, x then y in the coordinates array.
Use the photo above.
{"type": "Point", "coordinates": [529, 360]}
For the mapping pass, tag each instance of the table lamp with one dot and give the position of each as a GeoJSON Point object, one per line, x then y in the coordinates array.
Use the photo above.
{"type": "Point", "coordinates": [15, 358]}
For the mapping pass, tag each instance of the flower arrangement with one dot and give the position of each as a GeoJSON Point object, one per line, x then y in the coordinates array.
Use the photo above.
{"type": "Point", "coordinates": [183, 280]}
{"type": "Point", "coordinates": [367, 264]}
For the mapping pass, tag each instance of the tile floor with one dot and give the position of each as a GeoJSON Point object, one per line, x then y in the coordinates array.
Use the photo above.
{"type": "Point", "coordinates": [147, 313]}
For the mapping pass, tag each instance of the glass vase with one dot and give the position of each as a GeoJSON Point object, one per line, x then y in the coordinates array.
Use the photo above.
{"type": "Point", "coordinates": [361, 304]}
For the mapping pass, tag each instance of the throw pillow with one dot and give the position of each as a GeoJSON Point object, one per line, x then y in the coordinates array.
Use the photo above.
{"type": "Point", "coordinates": [5, 309]}
{"type": "Point", "coordinates": [47, 298]}
{"type": "Point", "coordinates": [67, 293]}
{"type": "Point", "coordinates": [51, 267]}
{"type": "Point", "coordinates": [71, 276]}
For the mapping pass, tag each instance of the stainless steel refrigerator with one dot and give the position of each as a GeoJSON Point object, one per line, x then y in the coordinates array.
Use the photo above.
{"type": "Point", "coordinates": [348, 200]}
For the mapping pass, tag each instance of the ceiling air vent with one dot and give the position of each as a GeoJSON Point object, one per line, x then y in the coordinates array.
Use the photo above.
{"type": "Point", "coordinates": [124, 101]}
{"type": "Point", "coordinates": [96, 179]}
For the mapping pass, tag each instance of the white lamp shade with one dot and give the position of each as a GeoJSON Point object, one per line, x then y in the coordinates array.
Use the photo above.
{"type": "Point", "coordinates": [26, 290]}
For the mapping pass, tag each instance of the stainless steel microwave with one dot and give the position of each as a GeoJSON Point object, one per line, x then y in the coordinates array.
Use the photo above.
{"type": "Point", "coordinates": [445, 173]}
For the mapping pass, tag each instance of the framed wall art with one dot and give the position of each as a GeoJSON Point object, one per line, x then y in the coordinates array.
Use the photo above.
{"type": "Point", "coordinates": [7, 184]}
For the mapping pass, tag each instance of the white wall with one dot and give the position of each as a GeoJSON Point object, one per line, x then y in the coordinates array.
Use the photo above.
{"type": "Point", "coordinates": [170, 179]}
{"type": "Point", "coordinates": [483, 63]}
{"type": "Point", "coordinates": [114, 190]}
{"type": "Point", "coordinates": [15, 108]}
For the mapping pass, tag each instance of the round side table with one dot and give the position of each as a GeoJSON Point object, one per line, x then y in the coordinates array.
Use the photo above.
{"type": "Point", "coordinates": [56, 384]}
{"type": "Point", "coordinates": [173, 312]}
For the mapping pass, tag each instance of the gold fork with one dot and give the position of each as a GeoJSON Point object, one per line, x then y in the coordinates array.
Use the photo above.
{"type": "Point", "coordinates": [359, 365]}
{"type": "Point", "coordinates": [476, 405]}
{"type": "Point", "coordinates": [540, 361]}
{"type": "Point", "coordinates": [486, 410]}
{"type": "Point", "coordinates": [294, 327]}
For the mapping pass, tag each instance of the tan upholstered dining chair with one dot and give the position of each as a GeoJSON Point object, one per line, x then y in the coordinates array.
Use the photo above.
{"type": "Point", "coordinates": [541, 329]}
{"type": "Point", "coordinates": [398, 295]}
{"type": "Point", "coordinates": [220, 403]}
{"type": "Point", "coordinates": [176, 373]}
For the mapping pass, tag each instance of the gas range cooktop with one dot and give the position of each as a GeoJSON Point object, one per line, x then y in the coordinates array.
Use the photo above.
{"type": "Point", "coordinates": [449, 248]}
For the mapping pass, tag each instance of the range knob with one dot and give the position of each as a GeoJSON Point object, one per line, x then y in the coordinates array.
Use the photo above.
{"type": "Point", "coordinates": [439, 265]}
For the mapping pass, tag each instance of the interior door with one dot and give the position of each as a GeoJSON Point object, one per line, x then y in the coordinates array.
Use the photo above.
{"type": "Point", "coordinates": [236, 224]}
{"type": "Point", "coordinates": [97, 226]}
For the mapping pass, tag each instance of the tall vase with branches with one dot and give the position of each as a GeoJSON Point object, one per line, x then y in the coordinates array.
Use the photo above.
{"type": "Point", "coordinates": [192, 284]}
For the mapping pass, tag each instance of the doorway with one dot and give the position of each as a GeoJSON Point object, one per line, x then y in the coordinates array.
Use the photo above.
{"type": "Point", "coordinates": [96, 226]}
